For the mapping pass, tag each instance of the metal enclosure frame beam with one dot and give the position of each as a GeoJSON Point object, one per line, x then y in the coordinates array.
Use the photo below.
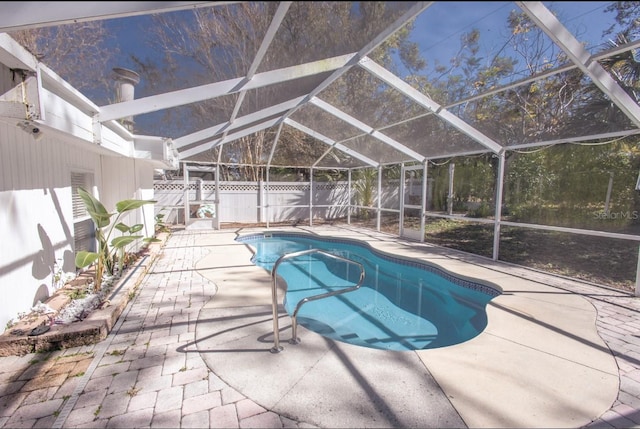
{"type": "Point", "coordinates": [329, 108]}
{"type": "Point", "coordinates": [26, 15]}
{"type": "Point", "coordinates": [406, 89]}
{"type": "Point", "coordinates": [209, 91]}
{"type": "Point", "coordinates": [564, 39]}
{"type": "Point", "coordinates": [316, 135]}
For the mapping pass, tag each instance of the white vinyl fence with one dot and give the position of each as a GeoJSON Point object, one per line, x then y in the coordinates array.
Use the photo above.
{"type": "Point", "coordinates": [253, 202]}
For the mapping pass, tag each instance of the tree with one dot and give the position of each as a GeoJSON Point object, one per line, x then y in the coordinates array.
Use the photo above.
{"type": "Point", "coordinates": [624, 66]}
{"type": "Point", "coordinates": [627, 13]}
{"type": "Point", "coordinates": [217, 44]}
{"type": "Point", "coordinates": [76, 52]}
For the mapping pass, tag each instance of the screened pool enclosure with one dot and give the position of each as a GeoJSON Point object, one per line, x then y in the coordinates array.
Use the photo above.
{"type": "Point", "coordinates": [505, 129]}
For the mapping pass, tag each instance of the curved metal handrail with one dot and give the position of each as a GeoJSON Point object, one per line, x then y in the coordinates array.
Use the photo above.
{"type": "Point", "coordinates": [274, 294]}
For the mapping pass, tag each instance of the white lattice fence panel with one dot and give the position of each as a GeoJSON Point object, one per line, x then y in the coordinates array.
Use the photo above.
{"type": "Point", "coordinates": [247, 201]}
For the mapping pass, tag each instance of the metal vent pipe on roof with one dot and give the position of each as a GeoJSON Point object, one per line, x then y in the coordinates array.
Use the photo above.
{"type": "Point", "coordinates": [126, 80]}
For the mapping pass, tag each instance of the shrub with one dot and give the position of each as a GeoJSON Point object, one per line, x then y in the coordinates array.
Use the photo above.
{"type": "Point", "coordinates": [111, 252]}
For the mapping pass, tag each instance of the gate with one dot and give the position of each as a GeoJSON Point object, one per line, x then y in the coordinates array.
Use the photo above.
{"type": "Point", "coordinates": [201, 210]}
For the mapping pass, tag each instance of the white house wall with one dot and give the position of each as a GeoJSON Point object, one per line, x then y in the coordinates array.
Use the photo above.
{"type": "Point", "coordinates": [37, 218]}
{"type": "Point", "coordinates": [145, 191]}
{"type": "Point", "coordinates": [127, 178]}
{"type": "Point", "coordinates": [36, 215]}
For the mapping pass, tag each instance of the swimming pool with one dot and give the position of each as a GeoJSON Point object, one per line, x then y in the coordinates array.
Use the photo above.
{"type": "Point", "coordinates": [403, 304]}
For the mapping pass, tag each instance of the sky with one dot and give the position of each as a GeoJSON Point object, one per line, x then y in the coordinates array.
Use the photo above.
{"type": "Point", "coordinates": [438, 29]}
{"type": "Point", "coordinates": [131, 37]}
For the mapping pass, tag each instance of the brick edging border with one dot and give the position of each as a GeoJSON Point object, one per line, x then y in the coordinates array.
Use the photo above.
{"type": "Point", "coordinates": [96, 326]}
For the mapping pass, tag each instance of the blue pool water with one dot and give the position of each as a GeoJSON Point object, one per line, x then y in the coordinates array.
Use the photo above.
{"type": "Point", "coordinates": [402, 305]}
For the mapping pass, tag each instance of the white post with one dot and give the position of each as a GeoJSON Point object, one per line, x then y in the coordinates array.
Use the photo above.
{"type": "Point", "coordinates": [424, 199]}
{"type": "Point", "coordinates": [498, 209]}
{"type": "Point", "coordinates": [311, 196]}
{"type": "Point", "coordinates": [452, 168]}
{"type": "Point", "coordinates": [379, 203]}
{"type": "Point", "coordinates": [267, 209]}
{"type": "Point", "coordinates": [349, 197]}
{"type": "Point", "coordinates": [402, 189]}
{"type": "Point", "coordinates": [185, 194]}
{"type": "Point", "coordinates": [608, 198]}
{"type": "Point", "coordinates": [216, 201]}
{"type": "Point", "coordinates": [260, 198]}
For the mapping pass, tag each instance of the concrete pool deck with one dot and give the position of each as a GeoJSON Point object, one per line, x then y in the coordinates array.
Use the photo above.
{"type": "Point", "coordinates": [191, 349]}
{"type": "Point", "coordinates": [539, 363]}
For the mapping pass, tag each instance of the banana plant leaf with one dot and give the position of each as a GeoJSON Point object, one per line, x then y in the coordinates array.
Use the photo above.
{"type": "Point", "coordinates": [84, 258]}
{"type": "Point", "coordinates": [120, 242]}
{"type": "Point", "coordinates": [126, 205]}
{"type": "Point", "coordinates": [135, 228]}
{"type": "Point", "coordinates": [96, 210]}
{"type": "Point", "coordinates": [122, 227]}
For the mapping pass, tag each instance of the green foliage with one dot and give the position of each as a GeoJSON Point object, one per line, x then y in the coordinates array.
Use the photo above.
{"type": "Point", "coordinates": [77, 293]}
{"type": "Point", "coordinates": [473, 185]}
{"type": "Point", "coordinates": [484, 210]}
{"type": "Point", "coordinates": [84, 259]}
{"type": "Point", "coordinates": [567, 185]}
{"type": "Point", "coordinates": [563, 185]}
{"type": "Point", "coordinates": [109, 252]}
{"type": "Point", "coordinates": [160, 225]}
{"type": "Point", "coordinates": [365, 184]}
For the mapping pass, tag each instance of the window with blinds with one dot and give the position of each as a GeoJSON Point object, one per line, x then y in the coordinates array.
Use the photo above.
{"type": "Point", "coordinates": [84, 234]}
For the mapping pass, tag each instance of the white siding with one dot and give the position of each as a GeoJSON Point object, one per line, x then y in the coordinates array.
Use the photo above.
{"type": "Point", "coordinates": [126, 178]}
{"type": "Point", "coordinates": [36, 215]}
